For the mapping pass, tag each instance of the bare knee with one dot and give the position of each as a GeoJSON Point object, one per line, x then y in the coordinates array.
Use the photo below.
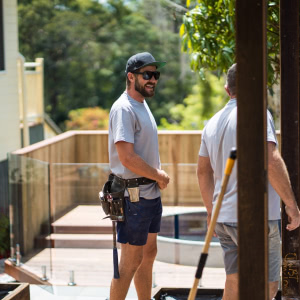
{"type": "Point", "coordinates": [131, 258]}
{"type": "Point", "coordinates": [134, 263]}
{"type": "Point", "coordinates": [231, 287]}
{"type": "Point", "coordinates": [273, 288]}
{"type": "Point", "coordinates": [150, 254]}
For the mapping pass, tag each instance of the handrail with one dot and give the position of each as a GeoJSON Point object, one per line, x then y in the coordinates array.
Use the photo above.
{"type": "Point", "coordinates": [32, 64]}
{"type": "Point", "coordinates": [45, 143]}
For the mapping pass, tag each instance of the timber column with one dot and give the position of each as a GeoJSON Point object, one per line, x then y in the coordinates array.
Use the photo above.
{"type": "Point", "coordinates": [251, 148]}
{"type": "Point", "coordinates": [289, 73]}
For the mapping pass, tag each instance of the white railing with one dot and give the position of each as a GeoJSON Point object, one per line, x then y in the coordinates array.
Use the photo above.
{"type": "Point", "coordinates": [31, 94]}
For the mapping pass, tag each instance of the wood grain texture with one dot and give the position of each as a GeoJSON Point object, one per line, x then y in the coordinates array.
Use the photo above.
{"type": "Point", "coordinates": [289, 74]}
{"type": "Point", "coordinates": [251, 149]}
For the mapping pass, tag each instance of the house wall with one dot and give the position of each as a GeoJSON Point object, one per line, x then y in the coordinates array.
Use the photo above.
{"type": "Point", "coordinates": [9, 102]}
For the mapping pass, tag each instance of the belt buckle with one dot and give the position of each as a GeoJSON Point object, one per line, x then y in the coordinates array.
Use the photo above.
{"type": "Point", "coordinates": [134, 194]}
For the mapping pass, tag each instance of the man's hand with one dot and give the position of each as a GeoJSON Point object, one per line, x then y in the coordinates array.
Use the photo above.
{"type": "Point", "coordinates": [208, 219]}
{"type": "Point", "coordinates": [163, 179]}
{"type": "Point", "coordinates": [293, 217]}
{"type": "Point", "coordinates": [208, 223]}
{"type": "Point", "coordinates": [137, 165]}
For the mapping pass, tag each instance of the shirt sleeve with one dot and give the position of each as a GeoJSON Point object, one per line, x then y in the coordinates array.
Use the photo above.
{"type": "Point", "coordinates": [271, 132]}
{"type": "Point", "coordinates": [123, 125]}
{"type": "Point", "coordinates": [203, 148]}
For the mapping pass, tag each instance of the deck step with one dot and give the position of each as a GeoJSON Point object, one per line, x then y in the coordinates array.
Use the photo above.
{"type": "Point", "coordinates": [88, 241]}
{"type": "Point", "coordinates": [88, 219]}
{"type": "Point", "coordinates": [82, 229]}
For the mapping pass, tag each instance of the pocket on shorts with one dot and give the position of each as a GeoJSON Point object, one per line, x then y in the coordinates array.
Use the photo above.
{"type": "Point", "coordinates": [132, 208]}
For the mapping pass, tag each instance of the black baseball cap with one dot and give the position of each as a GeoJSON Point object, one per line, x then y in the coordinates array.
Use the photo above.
{"type": "Point", "coordinates": [141, 60]}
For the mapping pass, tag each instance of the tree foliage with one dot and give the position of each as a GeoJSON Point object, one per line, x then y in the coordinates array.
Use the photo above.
{"type": "Point", "coordinates": [86, 44]}
{"type": "Point", "coordinates": [207, 97]}
{"type": "Point", "coordinates": [208, 35]}
{"type": "Point", "coordinates": [4, 235]}
{"type": "Point", "coordinates": [90, 118]}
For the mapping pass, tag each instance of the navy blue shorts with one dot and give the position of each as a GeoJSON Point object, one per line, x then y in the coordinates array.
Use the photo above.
{"type": "Point", "coordinates": [141, 218]}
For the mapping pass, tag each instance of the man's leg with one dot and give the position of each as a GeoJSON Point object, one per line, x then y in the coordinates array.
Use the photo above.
{"type": "Point", "coordinates": [143, 275]}
{"type": "Point", "coordinates": [274, 258]}
{"type": "Point", "coordinates": [131, 258]}
{"type": "Point", "coordinates": [273, 288]}
{"type": "Point", "coordinates": [231, 287]}
{"type": "Point", "coordinates": [227, 234]}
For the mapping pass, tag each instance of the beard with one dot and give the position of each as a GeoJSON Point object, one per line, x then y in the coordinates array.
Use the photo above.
{"type": "Point", "coordinates": [142, 89]}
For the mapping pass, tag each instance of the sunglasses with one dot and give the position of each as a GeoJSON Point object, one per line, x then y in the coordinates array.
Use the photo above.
{"type": "Point", "coordinates": [147, 75]}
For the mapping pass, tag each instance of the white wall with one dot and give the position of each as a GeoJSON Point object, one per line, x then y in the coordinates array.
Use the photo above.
{"type": "Point", "coordinates": [9, 104]}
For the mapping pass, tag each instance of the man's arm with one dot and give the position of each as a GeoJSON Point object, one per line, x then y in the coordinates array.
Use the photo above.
{"type": "Point", "coordinates": [136, 164]}
{"type": "Point", "coordinates": [279, 179]}
{"type": "Point", "coordinates": [205, 176]}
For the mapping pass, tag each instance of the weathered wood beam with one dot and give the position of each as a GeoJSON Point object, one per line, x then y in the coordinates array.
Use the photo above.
{"type": "Point", "coordinates": [289, 74]}
{"type": "Point", "coordinates": [251, 150]}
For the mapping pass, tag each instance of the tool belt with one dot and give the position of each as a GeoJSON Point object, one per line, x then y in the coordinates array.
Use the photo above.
{"type": "Point", "coordinates": [112, 194]}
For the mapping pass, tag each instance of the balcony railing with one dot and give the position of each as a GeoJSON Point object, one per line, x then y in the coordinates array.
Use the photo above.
{"type": "Point", "coordinates": [60, 178]}
{"type": "Point", "coordinates": [49, 178]}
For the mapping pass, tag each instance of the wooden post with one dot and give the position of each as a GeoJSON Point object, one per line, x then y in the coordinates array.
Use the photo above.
{"type": "Point", "coordinates": [251, 149]}
{"type": "Point", "coordinates": [23, 98]}
{"type": "Point", "coordinates": [40, 87]}
{"type": "Point", "coordinates": [289, 73]}
{"type": "Point", "coordinates": [175, 144]}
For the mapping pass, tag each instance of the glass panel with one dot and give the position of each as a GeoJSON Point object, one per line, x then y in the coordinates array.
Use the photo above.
{"type": "Point", "coordinates": [81, 240]}
{"type": "Point", "coordinates": [188, 189]}
{"type": "Point", "coordinates": [79, 232]}
{"type": "Point", "coordinates": [29, 213]}
{"type": "Point", "coordinates": [183, 189]}
{"type": "Point", "coordinates": [168, 194]}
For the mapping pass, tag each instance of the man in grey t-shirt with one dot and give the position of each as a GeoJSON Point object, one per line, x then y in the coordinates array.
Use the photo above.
{"type": "Point", "coordinates": [133, 153]}
{"type": "Point", "coordinates": [218, 137]}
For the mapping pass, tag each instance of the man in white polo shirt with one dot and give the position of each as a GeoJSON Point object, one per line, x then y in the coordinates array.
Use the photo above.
{"type": "Point", "coordinates": [219, 136]}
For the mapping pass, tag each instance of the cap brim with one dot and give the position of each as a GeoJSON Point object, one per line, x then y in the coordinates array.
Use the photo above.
{"type": "Point", "coordinates": [158, 64]}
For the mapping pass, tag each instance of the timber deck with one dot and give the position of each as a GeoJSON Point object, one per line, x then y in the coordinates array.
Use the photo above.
{"type": "Point", "coordinates": [79, 248]}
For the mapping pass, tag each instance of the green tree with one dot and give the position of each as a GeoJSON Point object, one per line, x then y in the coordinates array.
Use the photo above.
{"type": "Point", "coordinates": [207, 97]}
{"type": "Point", "coordinates": [208, 35]}
{"type": "Point", "coordinates": [64, 36]}
{"type": "Point", "coordinates": [86, 44]}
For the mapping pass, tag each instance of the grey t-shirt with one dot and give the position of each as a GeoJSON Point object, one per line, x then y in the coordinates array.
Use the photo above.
{"type": "Point", "coordinates": [218, 137]}
{"type": "Point", "coordinates": [132, 122]}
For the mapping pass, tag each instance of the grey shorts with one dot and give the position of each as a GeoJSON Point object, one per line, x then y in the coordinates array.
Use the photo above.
{"type": "Point", "coordinates": [227, 234]}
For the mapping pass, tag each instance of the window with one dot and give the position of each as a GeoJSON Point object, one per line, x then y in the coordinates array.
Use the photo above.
{"type": "Point", "coordinates": [2, 66]}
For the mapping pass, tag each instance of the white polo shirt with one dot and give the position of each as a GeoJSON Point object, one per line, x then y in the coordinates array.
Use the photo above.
{"type": "Point", "coordinates": [218, 137]}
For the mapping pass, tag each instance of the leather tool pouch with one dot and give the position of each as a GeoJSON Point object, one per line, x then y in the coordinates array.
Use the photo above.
{"type": "Point", "coordinates": [112, 194]}
{"type": "Point", "coordinates": [112, 199]}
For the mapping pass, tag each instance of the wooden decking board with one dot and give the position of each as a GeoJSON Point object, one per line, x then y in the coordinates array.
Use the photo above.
{"type": "Point", "coordinates": [94, 267]}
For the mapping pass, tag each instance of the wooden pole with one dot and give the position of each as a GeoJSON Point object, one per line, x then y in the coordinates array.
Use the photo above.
{"type": "Point", "coordinates": [289, 74]}
{"type": "Point", "coordinates": [251, 147]}
{"type": "Point", "coordinates": [175, 143]}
